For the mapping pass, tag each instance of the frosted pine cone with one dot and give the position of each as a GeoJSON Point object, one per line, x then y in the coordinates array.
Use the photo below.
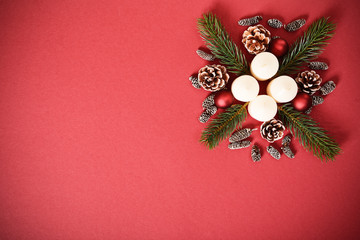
{"type": "Point", "coordinates": [213, 77]}
{"type": "Point", "coordinates": [308, 81]}
{"type": "Point", "coordinates": [256, 39]}
{"type": "Point", "coordinates": [272, 130]}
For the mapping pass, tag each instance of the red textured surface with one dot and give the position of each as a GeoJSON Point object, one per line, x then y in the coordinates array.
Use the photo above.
{"type": "Point", "coordinates": [99, 131]}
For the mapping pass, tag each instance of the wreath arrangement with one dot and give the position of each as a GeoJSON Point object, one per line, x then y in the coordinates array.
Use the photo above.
{"type": "Point", "coordinates": [291, 91]}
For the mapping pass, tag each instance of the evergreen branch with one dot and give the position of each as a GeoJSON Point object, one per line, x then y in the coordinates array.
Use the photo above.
{"type": "Point", "coordinates": [222, 126]}
{"type": "Point", "coordinates": [311, 136]}
{"type": "Point", "coordinates": [307, 47]}
{"type": "Point", "coordinates": [221, 45]}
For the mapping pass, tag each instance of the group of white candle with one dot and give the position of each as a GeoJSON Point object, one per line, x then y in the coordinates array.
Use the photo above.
{"type": "Point", "coordinates": [281, 89]}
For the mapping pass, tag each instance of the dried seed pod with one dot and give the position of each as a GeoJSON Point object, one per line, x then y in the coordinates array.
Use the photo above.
{"type": "Point", "coordinates": [239, 145]}
{"type": "Point", "coordinates": [250, 21]}
{"type": "Point", "coordinates": [211, 110]}
{"type": "Point", "coordinates": [287, 151]}
{"type": "Point", "coordinates": [255, 153]}
{"type": "Point", "coordinates": [204, 55]}
{"type": "Point", "coordinates": [295, 25]}
{"type": "Point", "coordinates": [308, 111]}
{"type": "Point", "coordinates": [286, 140]}
{"type": "Point", "coordinates": [209, 101]}
{"type": "Point", "coordinates": [204, 117]}
{"type": "Point", "coordinates": [317, 100]}
{"type": "Point", "coordinates": [273, 152]}
{"type": "Point", "coordinates": [275, 23]}
{"type": "Point", "coordinates": [318, 66]}
{"type": "Point", "coordinates": [327, 88]}
{"type": "Point", "coordinates": [195, 82]}
{"type": "Point", "coordinates": [241, 134]}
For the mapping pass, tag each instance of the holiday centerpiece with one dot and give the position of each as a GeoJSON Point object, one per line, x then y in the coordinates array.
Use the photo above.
{"type": "Point", "coordinates": [291, 91]}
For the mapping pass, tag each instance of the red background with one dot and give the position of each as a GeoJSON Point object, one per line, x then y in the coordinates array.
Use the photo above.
{"type": "Point", "coordinates": [99, 128]}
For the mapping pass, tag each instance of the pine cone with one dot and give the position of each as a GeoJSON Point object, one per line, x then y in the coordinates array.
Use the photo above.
{"type": "Point", "coordinates": [213, 77]}
{"type": "Point", "coordinates": [272, 130]}
{"type": "Point", "coordinates": [308, 81]}
{"type": "Point", "coordinates": [256, 39]}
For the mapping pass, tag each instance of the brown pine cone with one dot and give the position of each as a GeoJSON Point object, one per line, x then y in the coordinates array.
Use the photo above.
{"type": "Point", "coordinates": [272, 130]}
{"type": "Point", "coordinates": [256, 39]}
{"type": "Point", "coordinates": [213, 77]}
{"type": "Point", "coordinates": [308, 81]}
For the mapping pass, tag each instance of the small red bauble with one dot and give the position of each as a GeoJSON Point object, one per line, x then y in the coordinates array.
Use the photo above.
{"type": "Point", "coordinates": [302, 102]}
{"type": "Point", "coordinates": [278, 47]}
{"type": "Point", "coordinates": [223, 99]}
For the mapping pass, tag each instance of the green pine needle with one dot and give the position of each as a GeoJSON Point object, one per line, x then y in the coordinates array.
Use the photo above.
{"type": "Point", "coordinates": [221, 45]}
{"type": "Point", "coordinates": [307, 47]}
{"type": "Point", "coordinates": [222, 126]}
{"type": "Point", "coordinates": [311, 136]}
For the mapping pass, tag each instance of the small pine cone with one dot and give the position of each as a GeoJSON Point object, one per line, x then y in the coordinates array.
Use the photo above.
{"type": "Point", "coordinates": [239, 145]}
{"type": "Point", "coordinates": [211, 110]}
{"type": "Point", "coordinates": [286, 140]}
{"type": "Point", "coordinates": [241, 135]}
{"type": "Point", "coordinates": [308, 81]}
{"type": "Point", "coordinates": [256, 39]}
{"type": "Point", "coordinates": [209, 101]}
{"type": "Point", "coordinates": [273, 152]}
{"type": "Point", "coordinates": [213, 77]}
{"type": "Point", "coordinates": [318, 66]}
{"type": "Point", "coordinates": [205, 56]}
{"type": "Point", "coordinates": [327, 88]}
{"type": "Point", "coordinates": [272, 130]}
{"type": "Point", "coordinates": [250, 21]}
{"type": "Point", "coordinates": [255, 153]}
{"type": "Point", "coordinates": [204, 117]}
{"type": "Point", "coordinates": [275, 37]}
{"type": "Point", "coordinates": [317, 100]}
{"type": "Point", "coordinates": [195, 82]}
{"type": "Point", "coordinates": [295, 25]}
{"type": "Point", "coordinates": [275, 23]}
{"type": "Point", "coordinates": [287, 151]}
{"type": "Point", "coordinates": [308, 111]}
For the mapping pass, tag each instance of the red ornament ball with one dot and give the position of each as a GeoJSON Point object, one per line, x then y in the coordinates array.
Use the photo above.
{"type": "Point", "coordinates": [223, 99]}
{"type": "Point", "coordinates": [278, 47]}
{"type": "Point", "coordinates": [302, 102]}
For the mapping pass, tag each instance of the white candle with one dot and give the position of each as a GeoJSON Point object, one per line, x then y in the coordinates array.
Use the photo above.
{"type": "Point", "coordinates": [245, 88]}
{"type": "Point", "coordinates": [283, 89]}
{"type": "Point", "coordinates": [264, 66]}
{"type": "Point", "coordinates": [262, 108]}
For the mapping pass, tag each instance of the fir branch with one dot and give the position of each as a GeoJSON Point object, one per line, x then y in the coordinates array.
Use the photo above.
{"type": "Point", "coordinates": [222, 126]}
{"type": "Point", "coordinates": [221, 45]}
{"type": "Point", "coordinates": [307, 47]}
{"type": "Point", "coordinates": [311, 136]}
